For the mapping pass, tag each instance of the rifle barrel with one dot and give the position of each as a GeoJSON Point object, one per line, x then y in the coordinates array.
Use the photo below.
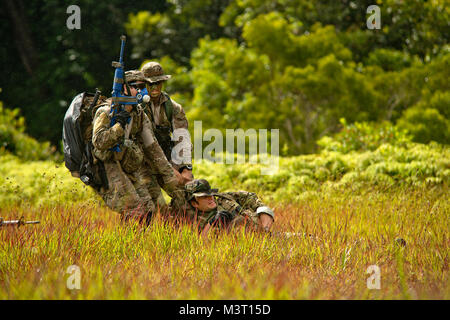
{"type": "Point", "coordinates": [11, 222]}
{"type": "Point", "coordinates": [32, 222]}
{"type": "Point", "coordinates": [17, 222]}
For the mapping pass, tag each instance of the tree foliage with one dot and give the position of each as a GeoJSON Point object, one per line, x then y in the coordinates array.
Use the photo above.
{"type": "Point", "coordinates": [64, 62]}
{"type": "Point", "coordinates": [303, 83]}
{"type": "Point", "coordinates": [296, 65]}
{"type": "Point", "coordinates": [14, 140]}
{"type": "Point", "coordinates": [175, 32]}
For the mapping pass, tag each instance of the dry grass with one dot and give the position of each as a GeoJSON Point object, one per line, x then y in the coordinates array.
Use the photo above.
{"type": "Point", "coordinates": [350, 232]}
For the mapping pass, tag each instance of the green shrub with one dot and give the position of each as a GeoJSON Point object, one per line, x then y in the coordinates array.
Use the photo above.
{"type": "Point", "coordinates": [361, 136]}
{"type": "Point", "coordinates": [13, 139]}
{"type": "Point", "coordinates": [426, 124]}
{"type": "Point", "coordinates": [389, 60]}
{"type": "Point", "coordinates": [388, 166]}
{"type": "Point", "coordinates": [39, 183]}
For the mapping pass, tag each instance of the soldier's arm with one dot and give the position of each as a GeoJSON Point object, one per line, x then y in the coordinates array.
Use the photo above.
{"type": "Point", "coordinates": [155, 155]}
{"type": "Point", "coordinates": [247, 200]}
{"type": "Point", "coordinates": [105, 137]}
{"type": "Point", "coordinates": [179, 121]}
{"type": "Point", "coordinates": [252, 206]}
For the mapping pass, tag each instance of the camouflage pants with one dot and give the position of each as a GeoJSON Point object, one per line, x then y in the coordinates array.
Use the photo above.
{"type": "Point", "coordinates": [126, 193]}
{"type": "Point", "coordinates": [154, 182]}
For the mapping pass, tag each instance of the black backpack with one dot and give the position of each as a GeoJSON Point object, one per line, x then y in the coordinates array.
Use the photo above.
{"type": "Point", "coordinates": [77, 144]}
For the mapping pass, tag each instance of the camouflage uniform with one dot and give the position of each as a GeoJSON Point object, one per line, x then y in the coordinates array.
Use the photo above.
{"type": "Point", "coordinates": [153, 72]}
{"type": "Point", "coordinates": [157, 116]}
{"type": "Point", "coordinates": [241, 208]}
{"type": "Point", "coordinates": [127, 191]}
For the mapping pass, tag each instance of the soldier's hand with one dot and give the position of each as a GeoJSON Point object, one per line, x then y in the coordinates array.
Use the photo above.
{"type": "Point", "coordinates": [122, 117]}
{"type": "Point", "coordinates": [222, 217]}
{"type": "Point", "coordinates": [187, 175]}
{"type": "Point", "coordinates": [179, 177]}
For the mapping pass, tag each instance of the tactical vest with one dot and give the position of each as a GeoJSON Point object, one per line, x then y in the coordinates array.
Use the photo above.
{"type": "Point", "coordinates": [163, 134]}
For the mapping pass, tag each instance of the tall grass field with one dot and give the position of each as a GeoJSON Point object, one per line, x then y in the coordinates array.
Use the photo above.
{"type": "Point", "coordinates": [337, 214]}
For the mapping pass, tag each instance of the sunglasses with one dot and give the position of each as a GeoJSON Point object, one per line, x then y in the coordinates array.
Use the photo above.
{"type": "Point", "coordinates": [138, 86]}
{"type": "Point", "coordinates": [154, 84]}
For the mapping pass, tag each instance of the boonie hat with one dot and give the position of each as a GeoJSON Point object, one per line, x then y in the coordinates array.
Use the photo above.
{"type": "Point", "coordinates": [153, 72]}
{"type": "Point", "coordinates": [134, 75]}
{"type": "Point", "coordinates": [199, 188]}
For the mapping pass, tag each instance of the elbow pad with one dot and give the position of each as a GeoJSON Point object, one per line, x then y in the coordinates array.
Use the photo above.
{"type": "Point", "coordinates": [266, 210]}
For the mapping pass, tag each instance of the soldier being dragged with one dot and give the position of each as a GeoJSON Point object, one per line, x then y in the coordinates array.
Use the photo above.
{"type": "Point", "coordinates": [225, 210]}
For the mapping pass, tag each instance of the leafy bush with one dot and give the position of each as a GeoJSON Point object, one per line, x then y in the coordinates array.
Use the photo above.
{"type": "Point", "coordinates": [362, 136]}
{"type": "Point", "coordinates": [388, 166]}
{"type": "Point", "coordinates": [14, 141]}
{"type": "Point", "coordinates": [389, 60]}
{"type": "Point", "coordinates": [426, 125]}
{"type": "Point", "coordinates": [39, 183]}
{"type": "Point", "coordinates": [429, 120]}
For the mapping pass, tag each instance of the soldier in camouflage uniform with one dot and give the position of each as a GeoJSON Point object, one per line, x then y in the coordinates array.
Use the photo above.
{"type": "Point", "coordinates": [128, 192]}
{"type": "Point", "coordinates": [160, 108]}
{"type": "Point", "coordinates": [227, 209]}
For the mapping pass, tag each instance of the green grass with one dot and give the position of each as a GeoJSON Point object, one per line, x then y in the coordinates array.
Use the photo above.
{"type": "Point", "coordinates": [355, 205]}
{"type": "Point", "coordinates": [167, 262]}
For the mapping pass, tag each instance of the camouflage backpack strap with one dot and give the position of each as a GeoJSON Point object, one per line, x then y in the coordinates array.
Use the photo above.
{"type": "Point", "coordinates": [168, 108]}
{"type": "Point", "coordinates": [225, 196]}
{"type": "Point", "coordinates": [94, 101]}
{"type": "Point", "coordinates": [101, 102]}
{"type": "Point", "coordinates": [229, 203]}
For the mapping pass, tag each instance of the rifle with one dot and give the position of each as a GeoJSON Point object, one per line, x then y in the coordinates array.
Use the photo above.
{"type": "Point", "coordinates": [118, 99]}
{"type": "Point", "coordinates": [94, 101]}
{"type": "Point", "coordinates": [18, 223]}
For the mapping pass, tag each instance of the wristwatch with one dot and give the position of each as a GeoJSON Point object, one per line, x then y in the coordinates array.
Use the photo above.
{"type": "Point", "coordinates": [187, 166]}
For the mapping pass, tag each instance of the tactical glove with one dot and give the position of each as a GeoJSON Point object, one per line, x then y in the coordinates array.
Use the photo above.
{"type": "Point", "coordinates": [122, 117]}
{"type": "Point", "coordinates": [222, 217]}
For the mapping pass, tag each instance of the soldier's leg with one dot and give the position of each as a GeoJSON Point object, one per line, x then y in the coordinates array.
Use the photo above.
{"type": "Point", "coordinates": [161, 202]}
{"type": "Point", "coordinates": [155, 191]}
{"type": "Point", "coordinates": [121, 195]}
{"type": "Point", "coordinates": [139, 182]}
{"type": "Point", "coordinates": [149, 179]}
{"type": "Point", "coordinates": [154, 184]}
